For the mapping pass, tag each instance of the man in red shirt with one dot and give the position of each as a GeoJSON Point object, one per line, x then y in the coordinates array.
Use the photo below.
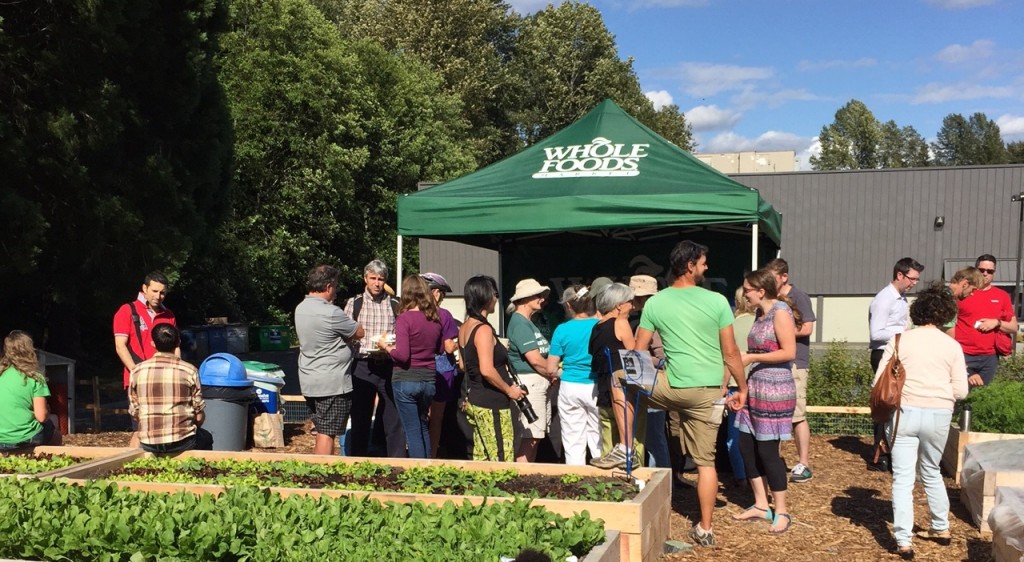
{"type": "Point", "coordinates": [133, 324]}
{"type": "Point", "coordinates": [984, 316]}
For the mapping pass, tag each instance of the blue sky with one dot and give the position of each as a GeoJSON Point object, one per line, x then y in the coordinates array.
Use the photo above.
{"type": "Point", "coordinates": [767, 75]}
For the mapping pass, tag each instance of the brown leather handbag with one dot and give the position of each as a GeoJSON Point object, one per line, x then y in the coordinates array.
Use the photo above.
{"type": "Point", "coordinates": [887, 394]}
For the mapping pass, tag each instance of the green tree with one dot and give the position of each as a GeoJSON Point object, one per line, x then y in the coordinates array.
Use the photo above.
{"type": "Point", "coordinates": [670, 123]}
{"type": "Point", "coordinates": [1015, 152]}
{"type": "Point", "coordinates": [467, 42]}
{"type": "Point", "coordinates": [328, 133]}
{"type": "Point", "coordinates": [565, 63]}
{"type": "Point", "coordinates": [969, 141]}
{"type": "Point", "coordinates": [851, 142]}
{"type": "Point", "coordinates": [901, 147]}
{"type": "Point", "coordinates": [116, 149]}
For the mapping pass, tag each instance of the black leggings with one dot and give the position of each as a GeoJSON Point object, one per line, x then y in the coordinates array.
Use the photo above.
{"type": "Point", "coordinates": [762, 458]}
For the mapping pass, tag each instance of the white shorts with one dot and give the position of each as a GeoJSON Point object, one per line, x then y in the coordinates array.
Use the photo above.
{"type": "Point", "coordinates": [540, 394]}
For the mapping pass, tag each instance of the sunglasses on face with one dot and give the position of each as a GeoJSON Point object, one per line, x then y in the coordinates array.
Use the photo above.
{"type": "Point", "coordinates": [987, 271]}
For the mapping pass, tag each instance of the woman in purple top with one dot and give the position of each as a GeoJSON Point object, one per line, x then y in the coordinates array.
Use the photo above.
{"type": "Point", "coordinates": [444, 378]}
{"type": "Point", "coordinates": [417, 341]}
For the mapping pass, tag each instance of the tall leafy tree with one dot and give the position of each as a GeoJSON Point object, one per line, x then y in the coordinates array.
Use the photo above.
{"type": "Point", "coordinates": [970, 141]}
{"type": "Point", "coordinates": [901, 147]}
{"type": "Point", "coordinates": [328, 133]}
{"type": "Point", "coordinates": [116, 148]}
{"type": "Point", "coordinates": [467, 42]}
{"type": "Point", "coordinates": [565, 63]}
{"type": "Point", "coordinates": [1015, 152]}
{"type": "Point", "coordinates": [851, 142]}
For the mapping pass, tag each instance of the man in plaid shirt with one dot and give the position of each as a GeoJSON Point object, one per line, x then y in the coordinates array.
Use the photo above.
{"type": "Point", "coordinates": [165, 398]}
{"type": "Point", "coordinates": [375, 311]}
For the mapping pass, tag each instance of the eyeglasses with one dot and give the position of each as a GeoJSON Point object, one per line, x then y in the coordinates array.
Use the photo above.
{"type": "Point", "coordinates": [914, 279]}
{"type": "Point", "coordinates": [750, 290]}
{"type": "Point", "coordinates": [987, 271]}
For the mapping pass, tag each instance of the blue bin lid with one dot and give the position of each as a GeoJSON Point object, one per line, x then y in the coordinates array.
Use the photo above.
{"type": "Point", "coordinates": [223, 369]}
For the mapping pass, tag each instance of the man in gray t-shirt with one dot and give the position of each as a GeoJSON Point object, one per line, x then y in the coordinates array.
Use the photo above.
{"type": "Point", "coordinates": [325, 358]}
{"type": "Point", "coordinates": [802, 303]}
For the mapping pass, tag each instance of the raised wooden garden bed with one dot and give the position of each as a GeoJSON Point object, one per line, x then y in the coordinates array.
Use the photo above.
{"type": "Point", "coordinates": [642, 521]}
{"type": "Point", "coordinates": [953, 455]}
{"type": "Point", "coordinates": [988, 466]}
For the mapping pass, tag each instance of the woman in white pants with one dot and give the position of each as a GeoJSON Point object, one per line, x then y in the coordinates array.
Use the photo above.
{"type": "Point", "coordinates": [936, 376]}
{"type": "Point", "coordinates": [577, 396]}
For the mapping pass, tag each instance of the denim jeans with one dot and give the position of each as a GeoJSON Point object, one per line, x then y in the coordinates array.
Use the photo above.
{"type": "Point", "coordinates": [732, 444]}
{"type": "Point", "coordinates": [412, 400]}
{"type": "Point", "coordinates": [919, 442]}
{"type": "Point", "coordinates": [657, 439]}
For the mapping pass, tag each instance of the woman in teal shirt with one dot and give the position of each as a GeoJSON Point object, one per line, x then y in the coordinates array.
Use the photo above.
{"type": "Point", "coordinates": [23, 393]}
{"type": "Point", "coordinates": [577, 395]}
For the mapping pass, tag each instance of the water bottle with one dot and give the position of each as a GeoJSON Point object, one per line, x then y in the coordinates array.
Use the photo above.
{"type": "Point", "coordinates": [965, 418]}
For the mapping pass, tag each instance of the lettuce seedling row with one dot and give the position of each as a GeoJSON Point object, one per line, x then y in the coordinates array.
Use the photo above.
{"type": "Point", "coordinates": [641, 519]}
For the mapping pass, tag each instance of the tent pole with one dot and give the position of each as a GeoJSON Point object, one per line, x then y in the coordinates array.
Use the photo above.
{"type": "Point", "coordinates": [753, 246]}
{"type": "Point", "coordinates": [398, 268]}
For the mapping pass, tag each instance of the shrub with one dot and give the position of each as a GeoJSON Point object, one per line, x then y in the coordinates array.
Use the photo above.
{"type": "Point", "coordinates": [840, 377]}
{"type": "Point", "coordinates": [1011, 368]}
{"type": "Point", "coordinates": [997, 407]}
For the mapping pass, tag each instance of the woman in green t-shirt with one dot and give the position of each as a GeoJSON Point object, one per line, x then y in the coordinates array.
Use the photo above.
{"type": "Point", "coordinates": [23, 393]}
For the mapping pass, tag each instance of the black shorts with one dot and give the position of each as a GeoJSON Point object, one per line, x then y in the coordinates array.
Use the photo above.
{"type": "Point", "coordinates": [984, 365]}
{"type": "Point", "coordinates": [330, 413]}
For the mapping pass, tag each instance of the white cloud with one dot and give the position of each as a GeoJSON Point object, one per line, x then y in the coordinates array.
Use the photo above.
{"type": "Point", "coordinates": [770, 140]}
{"type": "Point", "coordinates": [1011, 126]}
{"type": "Point", "coordinates": [863, 62]}
{"type": "Point", "coordinates": [660, 98]}
{"type": "Point", "coordinates": [751, 97]}
{"type": "Point", "coordinates": [702, 79]}
{"type": "Point", "coordinates": [957, 53]}
{"type": "Point", "coordinates": [711, 118]}
{"type": "Point", "coordinates": [529, 6]}
{"type": "Point", "coordinates": [938, 93]}
{"type": "Point", "coordinates": [960, 4]}
{"type": "Point", "coordinates": [803, 157]}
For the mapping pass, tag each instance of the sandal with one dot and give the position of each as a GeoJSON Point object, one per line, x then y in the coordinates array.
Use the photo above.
{"type": "Point", "coordinates": [905, 552]}
{"type": "Point", "coordinates": [943, 538]}
{"type": "Point", "coordinates": [766, 517]}
{"type": "Point", "coordinates": [789, 521]}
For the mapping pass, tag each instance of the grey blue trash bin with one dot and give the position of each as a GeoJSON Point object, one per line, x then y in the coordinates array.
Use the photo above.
{"type": "Point", "coordinates": [228, 395]}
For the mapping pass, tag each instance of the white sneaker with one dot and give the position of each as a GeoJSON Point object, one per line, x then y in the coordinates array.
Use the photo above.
{"type": "Point", "coordinates": [798, 469]}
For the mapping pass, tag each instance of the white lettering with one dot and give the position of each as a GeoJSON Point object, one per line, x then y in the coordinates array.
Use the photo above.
{"type": "Point", "coordinates": [599, 158]}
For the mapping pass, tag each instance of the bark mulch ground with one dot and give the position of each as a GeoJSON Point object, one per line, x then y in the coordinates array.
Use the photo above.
{"type": "Point", "coordinates": [843, 513]}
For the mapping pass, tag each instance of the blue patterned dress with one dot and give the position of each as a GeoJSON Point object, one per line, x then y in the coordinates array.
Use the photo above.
{"type": "Point", "coordinates": [771, 392]}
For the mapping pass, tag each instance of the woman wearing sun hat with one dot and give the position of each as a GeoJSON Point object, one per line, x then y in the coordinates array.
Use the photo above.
{"type": "Point", "coordinates": [528, 350]}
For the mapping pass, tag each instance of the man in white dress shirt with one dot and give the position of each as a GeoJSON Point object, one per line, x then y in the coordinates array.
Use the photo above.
{"type": "Point", "coordinates": [888, 316]}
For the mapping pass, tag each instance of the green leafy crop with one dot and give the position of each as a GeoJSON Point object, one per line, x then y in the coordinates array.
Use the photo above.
{"type": "Point", "coordinates": [26, 464]}
{"type": "Point", "coordinates": [47, 520]}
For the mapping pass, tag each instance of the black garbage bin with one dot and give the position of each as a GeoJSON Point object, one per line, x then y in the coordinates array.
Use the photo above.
{"type": "Point", "coordinates": [228, 395]}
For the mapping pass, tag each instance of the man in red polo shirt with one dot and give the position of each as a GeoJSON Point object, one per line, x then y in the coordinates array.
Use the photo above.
{"type": "Point", "coordinates": [984, 316]}
{"type": "Point", "coordinates": [133, 324]}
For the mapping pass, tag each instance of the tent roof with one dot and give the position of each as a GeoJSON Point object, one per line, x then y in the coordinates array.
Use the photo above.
{"type": "Point", "coordinates": [606, 171]}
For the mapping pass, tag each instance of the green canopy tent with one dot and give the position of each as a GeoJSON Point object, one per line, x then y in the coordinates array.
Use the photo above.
{"type": "Point", "coordinates": [605, 176]}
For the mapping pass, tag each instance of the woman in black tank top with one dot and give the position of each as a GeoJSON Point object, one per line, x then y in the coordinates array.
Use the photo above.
{"type": "Point", "coordinates": [608, 337]}
{"type": "Point", "coordinates": [487, 407]}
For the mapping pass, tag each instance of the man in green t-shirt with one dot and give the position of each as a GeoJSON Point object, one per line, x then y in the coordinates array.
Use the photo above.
{"type": "Point", "coordinates": [695, 326]}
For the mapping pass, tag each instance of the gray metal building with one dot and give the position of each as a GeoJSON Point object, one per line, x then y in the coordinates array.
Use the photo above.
{"type": "Point", "coordinates": [842, 232]}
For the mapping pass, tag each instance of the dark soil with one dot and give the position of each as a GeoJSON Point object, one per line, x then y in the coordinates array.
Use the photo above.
{"type": "Point", "coordinates": [526, 485]}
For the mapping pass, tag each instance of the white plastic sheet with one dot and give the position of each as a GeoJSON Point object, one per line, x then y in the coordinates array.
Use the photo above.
{"type": "Point", "coordinates": [1007, 517]}
{"type": "Point", "coordinates": [996, 456]}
